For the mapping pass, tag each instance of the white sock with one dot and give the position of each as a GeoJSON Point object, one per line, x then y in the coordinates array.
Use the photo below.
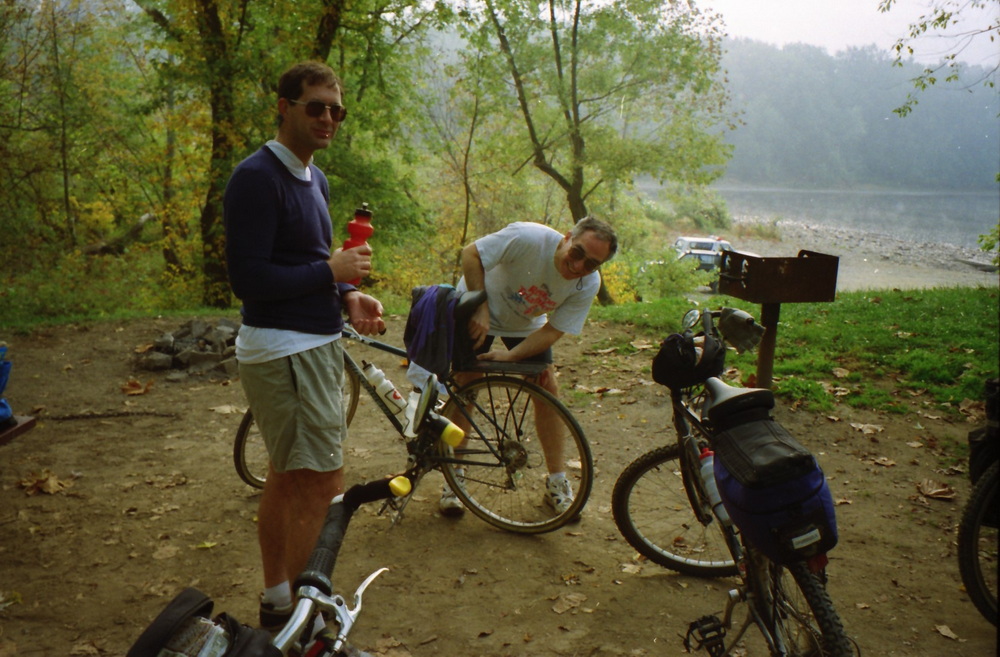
{"type": "Point", "coordinates": [557, 476]}
{"type": "Point", "coordinates": [278, 596]}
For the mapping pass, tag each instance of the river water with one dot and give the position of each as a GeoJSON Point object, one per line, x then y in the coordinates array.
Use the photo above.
{"type": "Point", "coordinates": [940, 217]}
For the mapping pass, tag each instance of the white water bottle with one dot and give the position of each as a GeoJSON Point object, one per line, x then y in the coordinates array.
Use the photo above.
{"type": "Point", "coordinates": [383, 386]}
{"type": "Point", "coordinates": [708, 478]}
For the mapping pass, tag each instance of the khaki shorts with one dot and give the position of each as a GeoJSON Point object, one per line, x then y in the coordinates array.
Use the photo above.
{"type": "Point", "coordinates": [298, 406]}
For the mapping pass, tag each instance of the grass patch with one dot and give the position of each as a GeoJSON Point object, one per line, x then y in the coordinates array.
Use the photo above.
{"type": "Point", "coordinates": [877, 350]}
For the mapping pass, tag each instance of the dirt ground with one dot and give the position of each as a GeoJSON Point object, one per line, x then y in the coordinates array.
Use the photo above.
{"type": "Point", "coordinates": [114, 502]}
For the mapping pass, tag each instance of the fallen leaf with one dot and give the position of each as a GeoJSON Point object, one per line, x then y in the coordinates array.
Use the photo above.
{"type": "Point", "coordinates": [166, 552]}
{"type": "Point", "coordinates": [84, 649]}
{"type": "Point", "coordinates": [8, 598]}
{"type": "Point", "coordinates": [43, 482]}
{"type": "Point", "coordinates": [133, 387]}
{"type": "Point", "coordinates": [206, 545]}
{"type": "Point", "coordinates": [868, 429]}
{"type": "Point", "coordinates": [227, 409]}
{"type": "Point", "coordinates": [946, 632]}
{"type": "Point", "coordinates": [915, 444]}
{"type": "Point", "coordinates": [935, 490]}
{"type": "Point", "coordinates": [567, 601]}
{"type": "Point", "coordinates": [884, 461]}
{"type": "Point", "coordinates": [841, 373]}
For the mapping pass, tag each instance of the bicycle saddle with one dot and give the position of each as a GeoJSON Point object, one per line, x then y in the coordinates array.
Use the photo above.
{"type": "Point", "coordinates": [728, 401]}
{"type": "Point", "coordinates": [467, 303]}
{"type": "Point", "coordinates": [464, 361]}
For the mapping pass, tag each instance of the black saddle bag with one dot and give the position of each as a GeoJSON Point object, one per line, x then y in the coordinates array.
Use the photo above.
{"type": "Point", "coordinates": [774, 491]}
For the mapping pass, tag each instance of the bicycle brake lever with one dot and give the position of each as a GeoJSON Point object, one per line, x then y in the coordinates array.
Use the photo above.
{"type": "Point", "coordinates": [345, 615]}
{"type": "Point", "coordinates": [362, 588]}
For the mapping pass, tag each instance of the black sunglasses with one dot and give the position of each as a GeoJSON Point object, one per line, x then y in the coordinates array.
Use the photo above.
{"type": "Point", "coordinates": [576, 252]}
{"type": "Point", "coordinates": [315, 109]}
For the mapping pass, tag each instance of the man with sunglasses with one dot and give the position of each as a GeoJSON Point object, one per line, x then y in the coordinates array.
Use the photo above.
{"type": "Point", "coordinates": [539, 286]}
{"type": "Point", "coordinates": [278, 250]}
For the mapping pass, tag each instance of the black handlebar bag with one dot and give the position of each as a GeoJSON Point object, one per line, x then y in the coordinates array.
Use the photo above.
{"type": "Point", "coordinates": [677, 364]}
{"type": "Point", "coordinates": [774, 491]}
{"type": "Point", "coordinates": [184, 627]}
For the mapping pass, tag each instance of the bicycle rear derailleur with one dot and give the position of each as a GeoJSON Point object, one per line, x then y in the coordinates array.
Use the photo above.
{"type": "Point", "coordinates": [708, 633]}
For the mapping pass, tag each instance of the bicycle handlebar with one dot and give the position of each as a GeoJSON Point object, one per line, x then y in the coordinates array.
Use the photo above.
{"type": "Point", "coordinates": [324, 556]}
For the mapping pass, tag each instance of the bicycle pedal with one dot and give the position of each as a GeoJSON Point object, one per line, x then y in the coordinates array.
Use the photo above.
{"type": "Point", "coordinates": [709, 633]}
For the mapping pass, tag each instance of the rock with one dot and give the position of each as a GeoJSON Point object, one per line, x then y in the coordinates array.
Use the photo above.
{"type": "Point", "coordinates": [198, 346]}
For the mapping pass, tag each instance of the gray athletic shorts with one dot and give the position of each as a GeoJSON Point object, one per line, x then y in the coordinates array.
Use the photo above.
{"type": "Point", "coordinates": [298, 406]}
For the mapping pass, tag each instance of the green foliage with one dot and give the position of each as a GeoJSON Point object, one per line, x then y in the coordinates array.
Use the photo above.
{"type": "Point", "coordinates": [77, 286]}
{"type": "Point", "coordinates": [700, 210]}
{"type": "Point", "coordinates": [990, 243]}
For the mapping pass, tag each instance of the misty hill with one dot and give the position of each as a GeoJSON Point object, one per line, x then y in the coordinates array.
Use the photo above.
{"type": "Point", "coordinates": [811, 119]}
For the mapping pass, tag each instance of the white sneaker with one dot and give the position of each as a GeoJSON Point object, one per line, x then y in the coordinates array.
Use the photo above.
{"type": "Point", "coordinates": [558, 494]}
{"type": "Point", "coordinates": [449, 505]}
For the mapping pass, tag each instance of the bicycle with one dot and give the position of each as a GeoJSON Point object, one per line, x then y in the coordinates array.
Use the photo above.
{"type": "Point", "coordinates": [670, 510]}
{"type": "Point", "coordinates": [499, 472]}
{"type": "Point", "coordinates": [977, 543]}
{"type": "Point", "coordinates": [184, 626]}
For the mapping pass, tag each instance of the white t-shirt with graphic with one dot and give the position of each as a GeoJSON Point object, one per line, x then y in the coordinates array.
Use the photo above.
{"type": "Point", "coordinates": [524, 287]}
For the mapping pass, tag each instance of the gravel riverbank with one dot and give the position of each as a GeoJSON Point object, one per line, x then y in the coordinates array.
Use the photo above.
{"type": "Point", "coordinates": [872, 260]}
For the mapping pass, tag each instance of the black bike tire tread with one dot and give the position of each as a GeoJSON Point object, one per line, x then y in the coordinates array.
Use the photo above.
{"type": "Point", "coordinates": [981, 499]}
{"type": "Point", "coordinates": [836, 643]}
{"type": "Point", "coordinates": [619, 510]}
{"type": "Point", "coordinates": [239, 452]}
{"type": "Point", "coordinates": [586, 463]}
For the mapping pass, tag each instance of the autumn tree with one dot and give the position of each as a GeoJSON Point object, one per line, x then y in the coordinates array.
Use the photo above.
{"type": "Point", "coordinates": [605, 91]}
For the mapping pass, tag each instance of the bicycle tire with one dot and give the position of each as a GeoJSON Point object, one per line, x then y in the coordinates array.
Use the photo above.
{"type": "Point", "coordinates": [250, 453]}
{"type": "Point", "coordinates": [801, 614]}
{"type": "Point", "coordinates": [499, 472]}
{"type": "Point", "coordinates": [977, 544]}
{"type": "Point", "coordinates": [651, 508]}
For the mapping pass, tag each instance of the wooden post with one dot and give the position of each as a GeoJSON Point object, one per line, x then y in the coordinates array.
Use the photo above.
{"type": "Point", "coordinates": [769, 315]}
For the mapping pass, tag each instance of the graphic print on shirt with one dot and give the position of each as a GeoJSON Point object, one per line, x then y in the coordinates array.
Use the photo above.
{"type": "Point", "coordinates": [533, 301]}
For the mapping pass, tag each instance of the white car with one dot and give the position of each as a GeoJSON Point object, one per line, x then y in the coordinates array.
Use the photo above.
{"type": "Point", "coordinates": [707, 250]}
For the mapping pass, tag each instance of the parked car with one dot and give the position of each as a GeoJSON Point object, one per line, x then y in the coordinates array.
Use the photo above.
{"type": "Point", "coordinates": [707, 250]}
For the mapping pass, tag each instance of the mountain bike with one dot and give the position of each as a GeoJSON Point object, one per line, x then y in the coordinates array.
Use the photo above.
{"type": "Point", "coordinates": [977, 543]}
{"type": "Point", "coordinates": [499, 471]}
{"type": "Point", "coordinates": [184, 627]}
{"type": "Point", "coordinates": [670, 506]}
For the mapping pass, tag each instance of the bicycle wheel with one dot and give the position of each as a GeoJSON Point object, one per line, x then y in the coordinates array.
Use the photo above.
{"type": "Point", "coordinates": [651, 507]}
{"type": "Point", "coordinates": [977, 544]}
{"type": "Point", "coordinates": [800, 614]}
{"type": "Point", "coordinates": [500, 471]}
{"type": "Point", "coordinates": [249, 451]}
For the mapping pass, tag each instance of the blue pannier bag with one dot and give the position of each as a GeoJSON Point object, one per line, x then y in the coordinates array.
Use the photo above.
{"type": "Point", "coordinates": [774, 491]}
{"type": "Point", "coordinates": [6, 414]}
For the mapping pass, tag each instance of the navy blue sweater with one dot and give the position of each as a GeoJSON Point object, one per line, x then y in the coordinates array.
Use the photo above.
{"type": "Point", "coordinates": [278, 239]}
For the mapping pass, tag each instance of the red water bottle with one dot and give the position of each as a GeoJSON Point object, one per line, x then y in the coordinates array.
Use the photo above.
{"type": "Point", "coordinates": [360, 229]}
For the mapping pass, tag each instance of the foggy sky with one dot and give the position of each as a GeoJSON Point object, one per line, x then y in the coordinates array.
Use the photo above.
{"type": "Point", "coordinates": [838, 24]}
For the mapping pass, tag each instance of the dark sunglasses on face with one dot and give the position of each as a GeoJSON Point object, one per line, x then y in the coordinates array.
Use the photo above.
{"type": "Point", "coordinates": [315, 109]}
{"type": "Point", "coordinates": [577, 253]}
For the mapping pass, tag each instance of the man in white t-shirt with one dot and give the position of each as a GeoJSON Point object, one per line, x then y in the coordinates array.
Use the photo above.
{"type": "Point", "coordinates": [539, 284]}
